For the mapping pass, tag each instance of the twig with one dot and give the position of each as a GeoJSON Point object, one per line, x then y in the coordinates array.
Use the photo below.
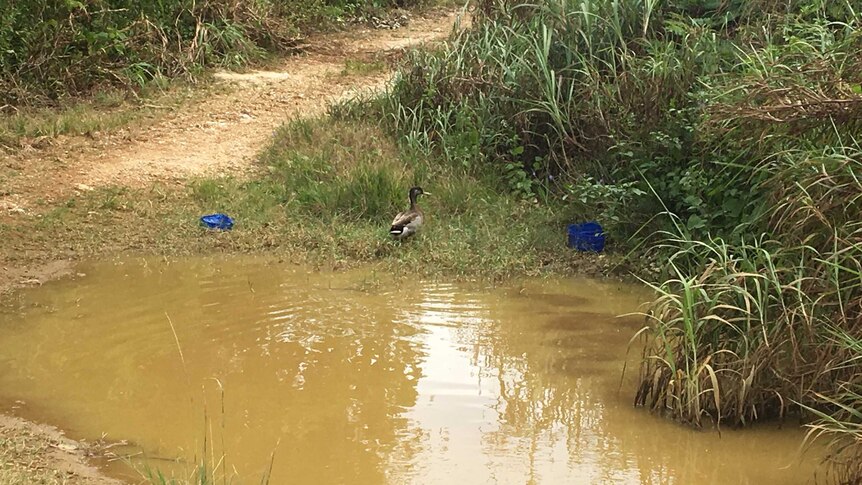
{"type": "Point", "coordinates": [180, 349]}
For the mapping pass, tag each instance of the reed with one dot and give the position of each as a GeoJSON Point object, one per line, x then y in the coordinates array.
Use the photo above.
{"type": "Point", "coordinates": [718, 140]}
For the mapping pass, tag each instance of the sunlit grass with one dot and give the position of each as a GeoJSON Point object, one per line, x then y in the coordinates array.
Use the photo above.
{"type": "Point", "coordinates": [332, 187]}
{"type": "Point", "coordinates": [104, 112]}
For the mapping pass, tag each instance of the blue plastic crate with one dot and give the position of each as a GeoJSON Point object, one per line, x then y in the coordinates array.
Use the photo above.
{"type": "Point", "coordinates": [588, 236]}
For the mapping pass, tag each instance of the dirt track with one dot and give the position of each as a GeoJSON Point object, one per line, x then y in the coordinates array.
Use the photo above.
{"type": "Point", "coordinates": [222, 134]}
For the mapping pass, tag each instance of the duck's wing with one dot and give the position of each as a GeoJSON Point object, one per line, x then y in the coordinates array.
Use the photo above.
{"type": "Point", "coordinates": [404, 219]}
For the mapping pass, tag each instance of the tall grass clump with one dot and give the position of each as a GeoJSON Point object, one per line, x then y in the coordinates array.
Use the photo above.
{"type": "Point", "coordinates": [720, 138]}
{"type": "Point", "coordinates": [751, 330]}
{"type": "Point", "coordinates": [558, 96]}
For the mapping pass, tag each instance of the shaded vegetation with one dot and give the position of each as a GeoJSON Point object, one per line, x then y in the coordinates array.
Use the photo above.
{"type": "Point", "coordinates": [719, 136]}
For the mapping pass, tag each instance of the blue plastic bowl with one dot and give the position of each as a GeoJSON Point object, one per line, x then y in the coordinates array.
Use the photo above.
{"type": "Point", "coordinates": [588, 236]}
{"type": "Point", "coordinates": [217, 221]}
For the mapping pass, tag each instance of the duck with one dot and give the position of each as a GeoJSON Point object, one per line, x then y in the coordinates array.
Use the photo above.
{"type": "Point", "coordinates": [408, 222]}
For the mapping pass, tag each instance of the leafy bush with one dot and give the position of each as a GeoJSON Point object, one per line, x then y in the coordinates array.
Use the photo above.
{"type": "Point", "coordinates": [665, 95]}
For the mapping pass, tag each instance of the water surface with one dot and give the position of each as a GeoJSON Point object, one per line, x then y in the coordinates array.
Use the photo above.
{"type": "Point", "coordinates": [358, 378]}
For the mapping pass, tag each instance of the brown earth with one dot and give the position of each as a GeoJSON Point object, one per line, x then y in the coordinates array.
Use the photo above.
{"type": "Point", "coordinates": [34, 453]}
{"type": "Point", "coordinates": [219, 135]}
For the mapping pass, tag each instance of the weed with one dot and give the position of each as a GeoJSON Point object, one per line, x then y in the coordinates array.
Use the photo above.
{"type": "Point", "coordinates": [107, 110]}
{"type": "Point", "coordinates": [110, 198]}
{"type": "Point", "coordinates": [358, 67]}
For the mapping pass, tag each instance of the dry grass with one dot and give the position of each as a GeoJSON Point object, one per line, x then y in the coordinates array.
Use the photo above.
{"type": "Point", "coordinates": [105, 111]}
{"type": "Point", "coordinates": [20, 454]}
{"type": "Point", "coordinates": [31, 453]}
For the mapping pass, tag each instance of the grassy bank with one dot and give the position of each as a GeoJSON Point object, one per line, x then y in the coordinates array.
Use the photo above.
{"type": "Point", "coordinates": [720, 139]}
{"type": "Point", "coordinates": [325, 193]}
{"type": "Point", "coordinates": [334, 187]}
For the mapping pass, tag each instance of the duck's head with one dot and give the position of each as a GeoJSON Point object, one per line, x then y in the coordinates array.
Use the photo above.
{"type": "Point", "coordinates": [416, 192]}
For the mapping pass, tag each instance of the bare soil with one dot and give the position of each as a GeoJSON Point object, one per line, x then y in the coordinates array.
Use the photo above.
{"type": "Point", "coordinates": [34, 453]}
{"type": "Point", "coordinates": [219, 135]}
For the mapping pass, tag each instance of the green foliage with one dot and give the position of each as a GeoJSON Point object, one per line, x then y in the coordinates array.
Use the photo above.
{"type": "Point", "coordinates": [743, 330]}
{"type": "Point", "coordinates": [610, 203]}
{"type": "Point", "coordinates": [660, 95]}
{"type": "Point", "coordinates": [721, 136]}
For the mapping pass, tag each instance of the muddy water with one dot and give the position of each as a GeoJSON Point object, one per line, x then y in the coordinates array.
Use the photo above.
{"type": "Point", "coordinates": [358, 378]}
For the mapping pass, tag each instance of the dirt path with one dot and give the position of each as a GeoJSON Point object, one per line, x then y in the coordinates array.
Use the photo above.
{"type": "Point", "coordinates": [222, 134]}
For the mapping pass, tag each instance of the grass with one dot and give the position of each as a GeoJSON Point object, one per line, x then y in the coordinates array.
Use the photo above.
{"type": "Point", "coordinates": [138, 63]}
{"type": "Point", "coordinates": [50, 51]}
{"type": "Point", "coordinates": [332, 187]}
{"type": "Point", "coordinates": [359, 67]}
{"type": "Point", "coordinates": [752, 330]}
{"type": "Point", "coordinates": [103, 112]}
{"type": "Point", "coordinates": [325, 194]}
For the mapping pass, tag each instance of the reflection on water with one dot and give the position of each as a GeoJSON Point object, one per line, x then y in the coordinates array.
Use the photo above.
{"type": "Point", "coordinates": [353, 378]}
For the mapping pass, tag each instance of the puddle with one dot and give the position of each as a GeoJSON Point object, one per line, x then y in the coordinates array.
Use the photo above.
{"type": "Point", "coordinates": [355, 378]}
